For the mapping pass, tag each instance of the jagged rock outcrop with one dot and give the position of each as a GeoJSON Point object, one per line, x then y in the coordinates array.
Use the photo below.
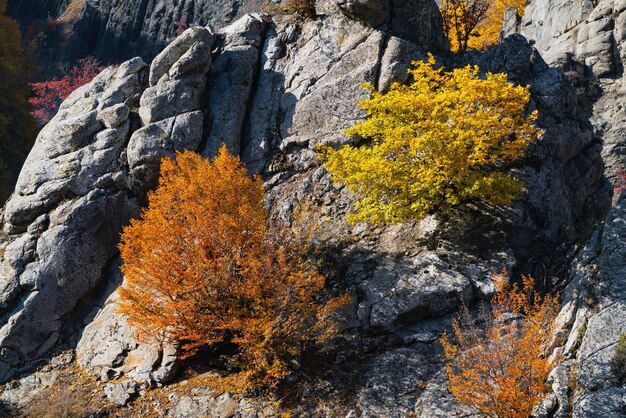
{"type": "Point", "coordinates": [62, 222]}
{"type": "Point", "coordinates": [593, 316]}
{"type": "Point", "coordinates": [173, 121]}
{"type": "Point", "coordinates": [588, 40]}
{"type": "Point", "coordinates": [417, 21]}
{"type": "Point", "coordinates": [592, 32]}
{"type": "Point", "coordinates": [232, 80]}
{"type": "Point", "coordinates": [114, 31]}
{"type": "Point", "coordinates": [84, 179]}
{"type": "Point", "coordinates": [271, 91]}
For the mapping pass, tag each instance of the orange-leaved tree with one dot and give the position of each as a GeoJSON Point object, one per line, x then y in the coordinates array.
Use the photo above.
{"type": "Point", "coordinates": [205, 265]}
{"type": "Point", "coordinates": [475, 23]}
{"type": "Point", "coordinates": [502, 367]}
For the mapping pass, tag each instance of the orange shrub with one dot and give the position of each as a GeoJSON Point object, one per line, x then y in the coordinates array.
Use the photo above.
{"type": "Point", "coordinates": [502, 368]}
{"type": "Point", "coordinates": [204, 265]}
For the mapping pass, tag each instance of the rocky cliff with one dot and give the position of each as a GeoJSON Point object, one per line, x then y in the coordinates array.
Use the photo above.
{"type": "Point", "coordinates": [588, 40]}
{"type": "Point", "coordinates": [271, 89]}
{"type": "Point", "coordinates": [114, 30]}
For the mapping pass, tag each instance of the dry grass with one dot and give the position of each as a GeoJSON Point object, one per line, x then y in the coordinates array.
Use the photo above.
{"type": "Point", "coordinates": [74, 394]}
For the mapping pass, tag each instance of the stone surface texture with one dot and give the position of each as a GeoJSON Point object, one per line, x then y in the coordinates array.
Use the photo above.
{"type": "Point", "coordinates": [271, 90]}
{"type": "Point", "coordinates": [588, 40]}
{"type": "Point", "coordinates": [115, 30]}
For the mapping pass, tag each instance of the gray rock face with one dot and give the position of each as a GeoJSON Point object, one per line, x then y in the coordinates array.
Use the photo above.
{"type": "Point", "coordinates": [594, 316]}
{"type": "Point", "coordinates": [271, 92]}
{"type": "Point", "coordinates": [31, 9]}
{"type": "Point", "coordinates": [591, 35]}
{"type": "Point", "coordinates": [63, 221]}
{"type": "Point", "coordinates": [222, 406]}
{"type": "Point", "coordinates": [588, 40]}
{"type": "Point", "coordinates": [587, 30]}
{"type": "Point", "coordinates": [371, 12]}
{"type": "Point", "coordinates": [188, 52]}
{"type": "Point", "coordinates": [426, 287]}
{"type": "Point", "coordinates": [152, 142]}
{"type": "Point", "coordinates": [114, 31]}
{"type": "Point", "coordinates": [563, 203]}
{"type": "Point", "coordinates": [436, 401]}
{"type": "Point", "coordinates": [170, 107]}
{"type": "Point", "coordinates": [108, 348]}
{"type": "Point", "coordinates": [120, 393]}
{"type": "Point", "coordinates": [391, 382]}
{"type": "Point", "coordinates": [417, 21]}
{"type": "Point", "coordinates": [83, 181]}
{"type": "Point", "coordinates": [177, 77]}
{"type": "Point", "coordinates": [232, 79]}
{"type": "Point", "coordinates": [511, 23]}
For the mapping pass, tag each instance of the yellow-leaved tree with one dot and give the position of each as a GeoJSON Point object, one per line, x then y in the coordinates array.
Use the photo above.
{"type": "Point", "coordinates": [501, 367]}
{"type": "Point", "coordinates": [475, 23]}
{"type": "Point", "coordinates": [204, 264]}
{"type": "Point", "coordinates": [445, 139]}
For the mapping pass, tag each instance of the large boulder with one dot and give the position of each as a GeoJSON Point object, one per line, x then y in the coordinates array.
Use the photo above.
{"type": "Point", "coordinates": [108, 348]}
{"type": "Point", "coordinates": [417, 21]}
{"type": "Point", "coordinates": [85, 178]}
{"type": "Point", "coordinates": [588, 31]}
{"type": "Point", "coordinates": [63, 221]}
{"type": "Point", "coordinates": [170, 108]}
{"type": "Point", "coordinates": [233, 77]}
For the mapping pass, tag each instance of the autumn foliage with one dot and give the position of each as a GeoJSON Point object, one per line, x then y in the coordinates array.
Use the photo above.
{"type": "Point", "coordinates": [502, 367]}
{"type": "Point", "coordinates": [444, 140]}
{"type": "Point", "coordinates": [204, 265]}
{"type": "Point", "coordinates": [48, 95]}
{"type": "Point", "coordinates": [181, 25]}
{"type": "Point", "coordinates": [475, 23]}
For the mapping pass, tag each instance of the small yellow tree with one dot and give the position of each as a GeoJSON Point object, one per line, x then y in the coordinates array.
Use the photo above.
{"type": "Point", "coordinates": [475, 23]}
{"type": "Point", "coordinates": [502, 367]}
{"type": "Point", "coordinates": [204, 264]}
{"type": "Point", "coordinates": [445, 139]}
{"type": "Point", "coordinates": [489, 28]}
{"type": "Point", "coordinates": [461, 19]}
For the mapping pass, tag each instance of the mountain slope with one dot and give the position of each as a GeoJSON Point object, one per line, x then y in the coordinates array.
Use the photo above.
{"type": "Point", "coordinates": [271, 90]}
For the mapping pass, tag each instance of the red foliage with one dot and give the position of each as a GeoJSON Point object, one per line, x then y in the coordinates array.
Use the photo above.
{"type": "Point", "coordinates": [620, 184]}
{"type": "Point", "coordinates": [48, 95]}
{"type": "Point", "coordinates": [181, 25]}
